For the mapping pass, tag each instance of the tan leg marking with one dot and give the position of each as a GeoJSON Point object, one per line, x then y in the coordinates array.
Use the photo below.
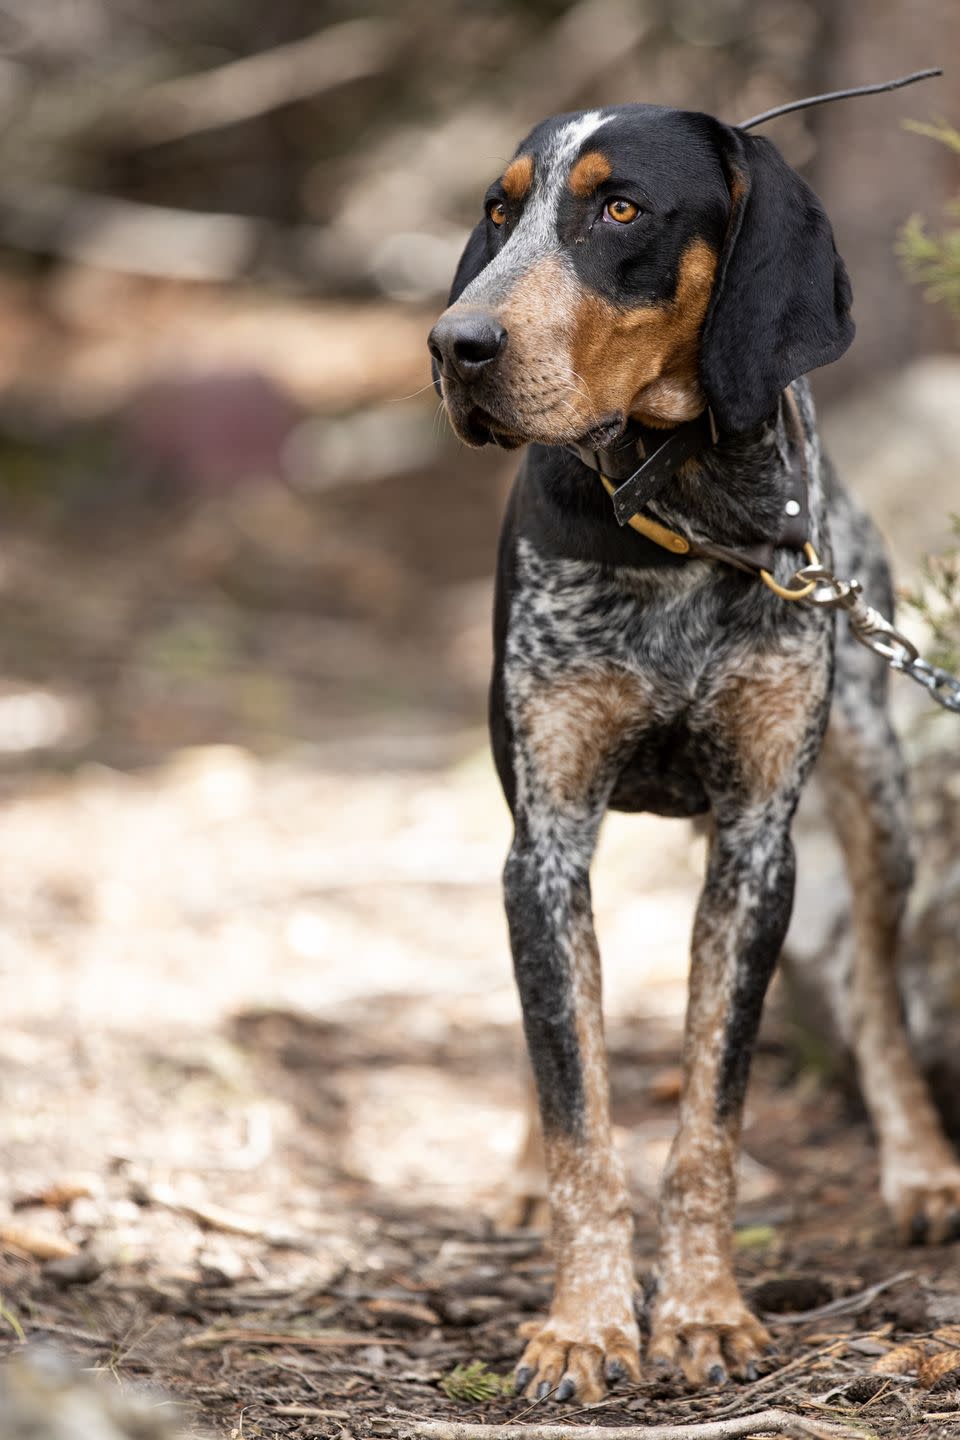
{"type": "Point", "coordinates": [700, 1321]}
{"type": "Point", "coordinates": [569, 731]}
{"type": "Point", "coordinates": [573, 722]}
{"type": "Point", "coordinates": [591, 1326]}
{"type": "Point", "coordinates": [765, 714]}
{"type": "Point", "coordinates": [920, 1176]}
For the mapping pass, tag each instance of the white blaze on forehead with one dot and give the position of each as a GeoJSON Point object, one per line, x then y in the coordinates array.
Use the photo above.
{"type": "Point", "coordinates": [536, 233]}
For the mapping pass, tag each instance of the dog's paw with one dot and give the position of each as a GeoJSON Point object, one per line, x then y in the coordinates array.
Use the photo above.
{"type": "Point", "coordinates": [706, 1345]}
{"type": "Point", "coordinates": [576, 1362]}
{"type": "Point", "coordinates": [925, 1204]}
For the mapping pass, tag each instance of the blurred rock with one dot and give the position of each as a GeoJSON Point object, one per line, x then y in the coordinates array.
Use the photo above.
{"type": "Point", "coordinates": [42, 720]}
{"type": "Point", "coordinates": [43, 1398]}
{"type": "Point", "coordinates": [896, 443]}
{"type": "Point", "coordinates": [369, 445]}
{"type": "Point", "coordinates": [209, 431]}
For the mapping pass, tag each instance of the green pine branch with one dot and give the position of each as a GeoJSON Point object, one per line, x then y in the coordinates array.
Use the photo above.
{"type": "Point", "coordinates": [933, 261]}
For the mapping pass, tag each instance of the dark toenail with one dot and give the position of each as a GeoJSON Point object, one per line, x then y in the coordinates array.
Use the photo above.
{"type": "Point", "coordinates": [716, 1375]}
{"type": "Point", "coordinates": [567, 1388]}
{"type": "Point", "coordinates": [543, 1389]}
{"type": "Point", "coordinates": [750, 1372]}
{"type": "Point", "coordinates": [615, 1372]}
{"type": "Point", "coordinates": [524, 1376]}
{"type": "Point", "coordinates": [918, 1229]}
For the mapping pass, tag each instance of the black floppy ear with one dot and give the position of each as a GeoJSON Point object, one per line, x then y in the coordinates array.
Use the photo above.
{"type": "Point", "coordinates": [781, 300]}
{"type": "Point", "coordinates": [471, 262]}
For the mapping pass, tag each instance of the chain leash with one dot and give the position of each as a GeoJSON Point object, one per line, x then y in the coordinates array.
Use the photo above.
{"type": "Point", "coordinates": [877, 633]}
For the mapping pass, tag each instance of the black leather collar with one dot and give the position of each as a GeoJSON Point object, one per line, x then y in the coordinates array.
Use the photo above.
{"type": "Point", "coordinates": [660, 452]}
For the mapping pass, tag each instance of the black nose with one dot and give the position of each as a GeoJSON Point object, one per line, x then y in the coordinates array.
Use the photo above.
{"type": "Point", "coordinates": [465, 344]}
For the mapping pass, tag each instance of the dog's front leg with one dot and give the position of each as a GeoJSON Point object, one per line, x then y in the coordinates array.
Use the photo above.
{"type": "Point", "coordinates": [699, 1320]}
{"type": "Point", "coordinates": [591, 1330]}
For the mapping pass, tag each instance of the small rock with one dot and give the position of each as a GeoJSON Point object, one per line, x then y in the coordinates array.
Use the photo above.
{"type": "Point", "coordinates": [474, 1309]}
{"type": "Point", "coordinates": [43, 1398]}
{"type": "Point", "coordinates": [791, 1294]}
{"type": "Point", "coordinates": [80, 1269]}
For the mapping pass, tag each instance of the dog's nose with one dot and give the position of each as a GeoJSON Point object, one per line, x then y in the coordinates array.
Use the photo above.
{"type": "Point", "coordinates": [464, 345]}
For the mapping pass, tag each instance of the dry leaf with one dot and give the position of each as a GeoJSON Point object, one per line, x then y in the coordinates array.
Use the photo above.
{"type": "Point", "coordinates": [38, 1243]}
{"type": "Point", "coordinates": [949, 1335]}
{"type": "Point", "coordinates": [667, 1084]}
{"type": "Point", "coordinates": [404, 1310]}
{"type": "Point", "coordinates": [901, 1360]}
{"type": "Point", "coordinates": [934, 1367]}
{"type": "Point", "coordinates": [58, 1196]}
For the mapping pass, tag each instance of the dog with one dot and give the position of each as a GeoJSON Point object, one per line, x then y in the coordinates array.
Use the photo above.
{"type": "Point", "coordinates": [651, 282]}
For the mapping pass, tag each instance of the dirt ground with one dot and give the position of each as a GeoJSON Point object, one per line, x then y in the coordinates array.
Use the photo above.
{"type": "Point", "coordinates": [261, 1071]}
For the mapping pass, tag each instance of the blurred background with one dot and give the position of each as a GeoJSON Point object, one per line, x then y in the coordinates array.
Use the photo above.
{"type": "Point", "coordinates": [251, 949]}
{"type": "Point", "coordinates": [231, 510]}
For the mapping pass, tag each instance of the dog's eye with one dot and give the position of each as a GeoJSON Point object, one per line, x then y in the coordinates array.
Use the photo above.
{"type": "Point", "coordinates": [497, 212]}
{"type": "Point", "coordinates": [623, 211]}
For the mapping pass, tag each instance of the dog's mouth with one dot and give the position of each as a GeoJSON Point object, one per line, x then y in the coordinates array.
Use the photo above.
{"type": "Point", "coordinates": [605, 434]}
{"type": "Point", "coordinates": [479, 426]}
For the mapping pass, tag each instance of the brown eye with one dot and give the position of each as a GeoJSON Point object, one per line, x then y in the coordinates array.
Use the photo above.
{"type": "Point", "coordinates": [497, 212]}
{"type": "Point", "coordinates": [623, 211]}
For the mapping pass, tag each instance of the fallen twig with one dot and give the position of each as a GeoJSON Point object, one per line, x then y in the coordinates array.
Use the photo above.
{"type": "Point", "coordinates": [214, 1217]}
{"type": "Point", "coordinates": [84, 1336]}
{"type": "Point", "coordinates": [762, 1422]}
{"type": "Point", "coordinates": [538, 1401]}
{"type": "Point", "coordinates": [209, 1339]}
{"type": "Point", "coordinates": [309, 1412]}
{"type": "Point", "coordinates": [749, 1392]}
{"type": "Point", "coordinates": [846, 1305]}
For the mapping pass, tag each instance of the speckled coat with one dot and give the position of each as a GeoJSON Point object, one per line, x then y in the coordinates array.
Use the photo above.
{"type": "Point", "coordinates": [635, 265]}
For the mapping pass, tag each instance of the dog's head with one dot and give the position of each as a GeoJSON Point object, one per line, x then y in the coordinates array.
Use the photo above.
{"type": "Point", "coordinates": [637, 262]}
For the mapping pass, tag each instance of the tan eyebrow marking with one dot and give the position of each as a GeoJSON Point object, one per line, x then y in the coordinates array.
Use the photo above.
{"type": "Point", "coordinates": [589, 172]}
{"type": "Point", "coordinates": [518, 177]}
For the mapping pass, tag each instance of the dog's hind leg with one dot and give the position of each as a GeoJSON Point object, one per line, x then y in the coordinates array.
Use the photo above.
{"type": "Point", "coordinates": [865, 793]}
{"type": "Point", "coordinates": [525, 1205]}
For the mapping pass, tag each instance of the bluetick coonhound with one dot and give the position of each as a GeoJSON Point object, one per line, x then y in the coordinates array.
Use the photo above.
{"type": "Point", "coordinates": [642, 297]}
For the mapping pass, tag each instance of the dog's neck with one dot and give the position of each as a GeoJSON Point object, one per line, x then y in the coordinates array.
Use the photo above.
{"type": "Point", "coordinates": [732, 494]}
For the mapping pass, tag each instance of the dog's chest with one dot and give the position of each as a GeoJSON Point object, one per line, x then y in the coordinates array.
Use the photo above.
{"type": "Point", "coordinates": [571, 619]}
{"type": "Point", "coordinates": [619, 681]}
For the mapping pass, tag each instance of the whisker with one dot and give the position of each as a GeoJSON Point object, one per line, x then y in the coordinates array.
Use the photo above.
{"type": "Point", "coordinates": [587, 396]}
{"type": "Point", "coordinates": [397, 399]}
